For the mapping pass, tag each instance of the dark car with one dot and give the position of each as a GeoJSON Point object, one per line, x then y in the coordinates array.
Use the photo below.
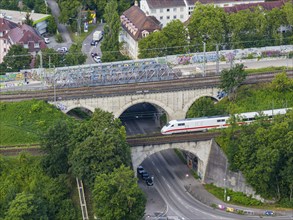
{"type": "Point", "coordinates": [269, 213]}
{"type": "Point", "coordinates": [149, 181]}
{"type": "Point", "coordinates": [94, 55]}
{"type": "Point", "coordinates": [144, 175]}
{"type": "Point", "coordinates": [140, 169]}
{"type": "Point", "coordinates": [93, 42]}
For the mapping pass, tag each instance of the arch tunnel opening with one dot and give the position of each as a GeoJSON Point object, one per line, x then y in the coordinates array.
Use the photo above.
{"type": "Point", "coordinates": [80, 113]}
{"type": "Point", "coordinates": [142, 118]}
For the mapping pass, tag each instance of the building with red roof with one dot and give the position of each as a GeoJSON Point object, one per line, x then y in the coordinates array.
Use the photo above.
{"type": "Point", "coordinates": [25, 35]}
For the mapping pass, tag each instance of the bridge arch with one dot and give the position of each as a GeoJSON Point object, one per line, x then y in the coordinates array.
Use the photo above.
{"type": "Point", "coordinates": [79, 106]}
{"type": "Point", "coordinates": [201, 149]}
{"type": "Point", "coordinates": [156, 103]}
{"type": "Point", "coordinates": [189, 104]}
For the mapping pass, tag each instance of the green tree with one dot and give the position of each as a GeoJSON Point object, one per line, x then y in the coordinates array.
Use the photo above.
{"type": "Point", "coordinates": [55, 143]}
{"type": "Point", "coordinates": [100, 146]}
{"type": "Point", "coordinates": [154, 45]}
{"type": "Point", "coordinates": [17, 58]}
{"type": "Point", "coordinates": [117, 196]}
{"type": "Point", "coordinates": [207, 23]}
{"type": "Point", "coordinates": [75, 56]}
{"type": "Point", "coordinates": [52, 26]}
{"type": "Point", "coordinates": [176, 35]}
{"type": "Point", "coordinates": [26, 206]}
{"type": "Point", "coordinates": [110, 45]}
{"type": "Point", "coordinates": [282, 82]}
{"type": "Point", "coordinates": [204, 106]}
{"type": "Point", "coordinates": [69, 10]}
{"type": "Point", "coordinates": [50, 58]}
{"type": "Point", "coordinates": [231, 79]}
{"type": "Point", "coordinates": [28, 20]}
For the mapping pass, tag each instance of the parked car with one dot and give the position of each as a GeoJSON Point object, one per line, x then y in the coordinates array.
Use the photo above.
{"type": "Point", "coordinates": [47, 40]}
{"type": "Point", "coordinates": [269, 213]}
{"type": "Point", "coordinates": [97, 59]}
{"type": "Point", "coordinates": [94, 42]}
{"type": "Point", "coordinates": [149, 181]}
{"type": "Point", "coordinates": [94, 55]}
{"type": "Point", "coordinates": [62, 49]}
{"type": "Point", "coordinates": [140, 169]}
{"type": "Point", "coordinates": [145, 175]}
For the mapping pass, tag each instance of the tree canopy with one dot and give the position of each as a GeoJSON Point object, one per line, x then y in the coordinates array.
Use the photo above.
{"type": "Point", "coordinates": [99, 146]}
{"type": "Point", "coordinates": [17, 58]}
{"type": "Point", "coordinates": [231, 79]}
{"type": "Point", "coordinates": [117, 195]}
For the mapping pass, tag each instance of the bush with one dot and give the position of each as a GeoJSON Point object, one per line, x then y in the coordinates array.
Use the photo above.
{"type": "Point", "coordinates": [59, 38]}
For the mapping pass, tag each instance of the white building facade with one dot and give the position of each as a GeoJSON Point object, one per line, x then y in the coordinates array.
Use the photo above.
{"type": "Point", "coordinates": [166, 11]}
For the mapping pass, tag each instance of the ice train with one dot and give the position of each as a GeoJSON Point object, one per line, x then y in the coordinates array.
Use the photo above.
{"type": "Point", "coordinates": [205, 123]}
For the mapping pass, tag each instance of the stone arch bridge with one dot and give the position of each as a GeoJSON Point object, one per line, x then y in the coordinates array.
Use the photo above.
{"type": "Point", "coordinates": [174, 103]}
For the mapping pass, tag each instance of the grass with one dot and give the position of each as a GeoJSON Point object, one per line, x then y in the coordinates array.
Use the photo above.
{"type": "Point", "coordinates": [23, 122]}
{"type": "Point", "coordinates": [239, 198]}
{"type": "Point", "coordinates": [267, 69]}
{"type": "Point", "coordinates": [83, 35]}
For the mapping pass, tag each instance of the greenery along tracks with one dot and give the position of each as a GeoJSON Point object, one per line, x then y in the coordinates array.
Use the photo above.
{"type": "Point", "coordinates": [133, 141]}
{"type": "Point", "coordinates": [151, 87]}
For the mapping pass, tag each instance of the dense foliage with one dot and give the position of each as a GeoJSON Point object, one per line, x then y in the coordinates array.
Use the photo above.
{"type": "Point", "coordinates": [117, 196]}
{"type": "Point", "coordinates": [23, 122]}
{"type": "Point", "coordinates": [17, 58]}
{"type": "Point", "coordinates": [99, 146]}
{"type": "Point", "coordinates": [38, 6]}
{"type": "Point", "coordinates": [264, 154]}
{"type": "Point", "coordinates": [244, 29]}
{"type": "Point", "coordinates": [26, 192]}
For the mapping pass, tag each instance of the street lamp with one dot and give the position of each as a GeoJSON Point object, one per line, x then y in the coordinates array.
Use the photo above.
{"type": "Point", "coordinates": [225, 191]}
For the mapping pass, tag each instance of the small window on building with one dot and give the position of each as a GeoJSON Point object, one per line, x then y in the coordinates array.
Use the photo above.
{"type": "Point", "coordinates": [153, 11]}
{"type": "Point", "coordinates": [161, 18]}
{"type": "Point", "coordinates": [181, 16]}
{"type": "Point", "coordinates": [1, 34]}
{"type": "Point", "coordinates": [161, 10]}
{"type": "Point", "coordinates": [174, 16]}
{"type": "Point", "coordinates": [181, 9]}
{"type": "Point", "coordinates": [174, 9]}
{"type": "Point", "coordinates": [189, 13]}
{"type": "Point", "coordinates": [168, 9]}
{"type": "Point", "coordinates": [168, 17]}
{"type": "Point", "coordinates": [36, 45]}
{"type": "Point", "coordinates": [4, 49]}
{"type": "Point", "coordinates": [25, 46]}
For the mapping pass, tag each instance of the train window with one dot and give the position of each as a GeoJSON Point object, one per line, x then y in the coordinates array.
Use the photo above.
{"type": "Point", "coordinates": [220, 120]}
{"type": "Point", "coordinates": [172, 126]}
{"type": "Point", "coordinates": [181, 124]}
{"type": "Point", "coordinates": [245, 119]}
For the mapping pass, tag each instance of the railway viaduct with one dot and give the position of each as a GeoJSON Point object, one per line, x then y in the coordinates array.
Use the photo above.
{"type": "Point", "coordinates": [212, 166]}
{"type": "Point", "coordinates": [174, 103]}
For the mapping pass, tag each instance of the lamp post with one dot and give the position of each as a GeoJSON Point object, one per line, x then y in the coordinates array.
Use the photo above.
{"type": "Point", "coordinates": [225, 191]}
{"type": "Point", "coordinates": [204, 58]}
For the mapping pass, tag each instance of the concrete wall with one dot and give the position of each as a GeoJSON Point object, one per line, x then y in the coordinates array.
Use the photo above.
{"type": "Point", "coordinates": [201, 149]}
{"type": "Point", "coordinates": [219, 174]}
{"type": "Point", "coordinates": [174, 103]}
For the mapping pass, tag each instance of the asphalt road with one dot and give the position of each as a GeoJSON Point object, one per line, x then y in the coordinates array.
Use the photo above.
{"type": "Point", "coordinates": [62, 29]}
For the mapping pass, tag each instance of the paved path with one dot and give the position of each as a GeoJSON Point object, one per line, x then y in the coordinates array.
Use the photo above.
{"type": "Point", "coordinates": [61, 27]}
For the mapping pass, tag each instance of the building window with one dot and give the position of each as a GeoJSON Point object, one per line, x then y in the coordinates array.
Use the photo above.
{"type": "Point", "coordinates": [1, 34]}
{"type": "Point", "coordinates": [36, 45]}
{"type": "Point", "coordinates": [161, 18]}
{"type": "Point", "coordinates": [4, 49]}
{"type": "Point", "coordinates": [168, 9]}
{"type": "Point", "coordinates": [174, 9]}
{"type": "Point", "coordinates": [181, 9]}
{"type": "Point", "coordinates": [153, 11]}
{"type": "Point", "coordinates": [181, 16]}
{"type": "Point", "coordinates": [161, 10]}
{"type": "Point", "coordinates": [189, 13]}
{"type": "Point", "coordinates": [174, 16]}
{"type": "Point", "coordinates": [168, 17]}
{"type": "Point", "coordinates": [25, 46]}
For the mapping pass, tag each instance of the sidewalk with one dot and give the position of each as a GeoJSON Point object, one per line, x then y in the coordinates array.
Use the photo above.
{"type": "Point", "coordinates": [197, 190]}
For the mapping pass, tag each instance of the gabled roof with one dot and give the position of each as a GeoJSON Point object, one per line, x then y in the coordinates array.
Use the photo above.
{"type": "Point", "coordinates": [265, 5]}
{"type": "Point", "coordinates": [6, 25]}
{"type": "Point", "coordinates": [134, 21]}
{"type": "Point", "coordinates": [26, 35]}
{"type": "Point", "coordinates": [165, 3]}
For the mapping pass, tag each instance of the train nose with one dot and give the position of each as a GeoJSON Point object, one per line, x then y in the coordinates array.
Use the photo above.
{"type": "Point", "coordinates": [163, 130]}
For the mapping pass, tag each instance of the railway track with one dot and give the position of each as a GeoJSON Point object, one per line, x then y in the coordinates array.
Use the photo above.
{"type": "Point", "coordinates": [134, 141]}
{"type": "Point", "coordinates": [125, 89]}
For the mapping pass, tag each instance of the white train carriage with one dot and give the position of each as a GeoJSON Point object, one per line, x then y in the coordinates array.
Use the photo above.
{"type": "Point", "coordinates": [205, 123]}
